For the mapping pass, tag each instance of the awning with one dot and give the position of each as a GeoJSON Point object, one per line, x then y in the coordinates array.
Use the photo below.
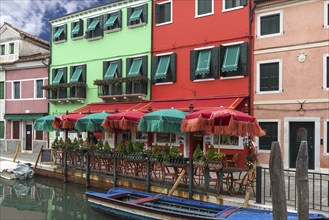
{"type": "Point", "coordinates": [92, 25]}
{"type": "Point", "coordinates": [162, 69]}
{"type": "Point", "coordinates": [76, 29]}
{"type": "Point", "coordinates": [203, 65]}
{"type": "Point", "coordinates": [111, 70]}
{"type": "Point", "coordinates": [110, 22]}
{"type": "Point", "coordinates": [135, 67]}
{"type": "Point", "coordinates": [231, 58]}
{"type": "Point", "coordinates": [58, 33]}
{"type": "Point", "coordinates": [58, 76]}
{"type": "Point", "coordinates": [179, 104]}
{"type": "Point", "coordinates": [24, 117]}
{"type": "Point", "coordinates": [136, 14]}
{"type": "Point", "coordinates": [76, 74]}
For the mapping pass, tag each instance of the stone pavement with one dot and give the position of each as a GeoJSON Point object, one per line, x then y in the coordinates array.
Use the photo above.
{"type": "Point", "coordinates": [236, 200]}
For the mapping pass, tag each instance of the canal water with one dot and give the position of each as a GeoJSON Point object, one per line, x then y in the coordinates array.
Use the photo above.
{"type": "Point", "coordinates": [43, 198]}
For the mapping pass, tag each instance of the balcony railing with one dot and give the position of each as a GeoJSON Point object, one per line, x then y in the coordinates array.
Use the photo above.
{"type": "Point", "coordinates": [66, 92]}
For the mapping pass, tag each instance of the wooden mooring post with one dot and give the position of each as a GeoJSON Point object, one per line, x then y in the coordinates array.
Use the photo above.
{"type": "Point", "coordinates": [277, 183]}
{"type": "Point", "coordinates": [302, 182]}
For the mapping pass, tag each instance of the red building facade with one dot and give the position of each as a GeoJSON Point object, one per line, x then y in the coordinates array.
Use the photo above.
{"type": "Point", "coordinates": [201, 49]}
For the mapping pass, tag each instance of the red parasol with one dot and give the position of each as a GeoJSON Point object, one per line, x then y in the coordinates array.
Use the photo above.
{"type": "Point", "coordinates": [222, 121]}
{"type": "Point", "coordinates": [66, 121]}
{"type": "Point", "coordinates": [123, 121]}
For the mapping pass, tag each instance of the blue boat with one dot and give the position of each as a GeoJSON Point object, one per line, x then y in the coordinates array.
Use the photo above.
{"type": "Point", "coordinates": [132, 204]}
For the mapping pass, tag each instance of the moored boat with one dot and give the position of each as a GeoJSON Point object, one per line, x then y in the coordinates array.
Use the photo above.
{"type": "Point", "coordinates": [132, 204]}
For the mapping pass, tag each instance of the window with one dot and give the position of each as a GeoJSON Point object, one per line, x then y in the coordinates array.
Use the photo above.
{"type": "Point", "coordinates": [78, 77]}
{"type": "Point", "coordinates": [11, 48]}
{"type": "Point", "coordinates": [58, 76]}
{"type": "Point", "coordinates": [76, 72]}
{"type": "Point", "coordinates": [112, 21]}
{"type": "Point", "coordinates": [3, 50]}
{"type": "Point", "coordinates": [234, 60]}
{"type": "Point", "coordinates": [204, 63]}
{"type": "Point", "coordinates": [164, 68]}
{"type": "Point", "coordinates": [38, 88]}
{"type": "Point", "coordinates": [204, 7]}
{"type": "Point", "coordinates": [15, 129]}
{"type": "Point", "coordinates": [2, 129]}
{"type": "Point", "coordinates": [2, 90]}
{"type": "Point", "coordinates": [163, 13]}
{"type": "Point", "coordinates": [94, 28]}
{"type": "Point", "coordinates": [271, 129]}
{"type": "Point", "coordinates": [326, 14]}
{"type": "Point", "coordinates": [112, 69]}
{"type": "Point", "coordinates": [326, 71]}
{"type": "Point", "coordinates": [165, 138]}
{"type": "Point", "coordinates": [59, 33]}
{"type": "Point", "coordinates": [233, 4]}
{"type": "Point", "coordinates": [228, 142]}
{"type": "Point", "coordinates": [77, 29]}
{"type": "Point", "coordinates": [137, 67]}
{"type": "Point", "coordinates": [269, 76]}
{"type": "Point", "coordinates": [38, 135]}
{"type": "Point", "coordinates": [269, 24]}
{"type": "Point", "coordinates": [17, 90]}
{"type": "Point", "coordinates": [137, 16]}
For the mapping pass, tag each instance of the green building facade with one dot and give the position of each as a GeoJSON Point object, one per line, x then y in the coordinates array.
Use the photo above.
{"type": "Point", "coordinates": [101, 54]}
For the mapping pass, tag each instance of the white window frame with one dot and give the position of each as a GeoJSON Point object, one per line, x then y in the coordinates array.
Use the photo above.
{"type": "Point", "coordinates": [325, 74]}
{"type": "Point", "coordinates": [258, 76]}
{"type": "Point", "coordinates": [230, 147]}
{"type": "Point", "coordinates": [326, 12]}
{"type": "Point", "coordinates": [36, 89]}
{"type": "Point", "coordinates": [203, 15]}
{"type": "Point", "coordinates": [279, 133]}
{"type": "Point", "coordinates": [176, 143]}
{"type": "Point", "coordinates": [171, 12]}
{"type": "Point", "coordinates": [230, 9]}
{"type": "Point", "coordinates": [259, 16]}
{"type": "Point", "coordinates": [325, 129]}
{"type": "Point", "coordinates": [13, 90]}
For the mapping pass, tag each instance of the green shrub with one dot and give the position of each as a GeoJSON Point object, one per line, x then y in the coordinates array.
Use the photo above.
{"type": "Point", "coordinates": [130, 147]}
{"type": "Point", "coordinates": [211, 153]}
{"type": "Point", "coordinates": [198, 154]}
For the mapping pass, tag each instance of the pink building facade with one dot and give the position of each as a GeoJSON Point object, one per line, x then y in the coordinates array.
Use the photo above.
{"type": "Point", "coordinates": [291, 59]}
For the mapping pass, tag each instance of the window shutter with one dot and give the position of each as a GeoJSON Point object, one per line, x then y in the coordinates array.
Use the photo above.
{"type": "Point", "coordinates": [214, 62]}
{"type": "Point", "coordinates": [221, 59]}
{"type": "Point", "coordinates": [71, 72]}
{"type": "Point", "coordinates": [64, 32]}
{"type": "Point", "coordinates": [145, 13]}
{"type": "Point", "coordinates": [84, 73]}
{"type": "Point", "coordinates": [144, 66]}
{"type": "Point", "coordinates": [228, 4]}
{"type": "Point", "coordinates": [105, 66]}
{"type": "Point", "coordinates": [167, 11]}
{"type": "Point", "coordinates": [243, 2]}
{"type": "Point", "coordinates": [2, 90]}
{"type": "Point", "coordinates": [80, 33]}
{"type": "Point", "coordinates": [154, 64]}
{"type": "Point", "coordinates": [244, 58]}
{"type": "Point", "coordinates": [65, 75]}
{"type": "Point", "coordinates": [129, 11]}
{"type": "Point", "coordinates": [119, 19]}
{"type": "Point", "coordinates": [128, 63]}
{"type": "Point", "coordinates": [119, 68]}
{"type": "Point", "coordinates": [157, 14]}
{"type": "Point", "coordinates": [193, 59]}
{"type": "Point", "coordinates": [173, 67]}
{"type": "Point", "coordinates": [88, 33]}
{"type": "Point", "coordinates": [99, 30]}
{"type": "Point", "coordinates": [53, 75]}
{"type": "Point", "coordinates": [328, 77]}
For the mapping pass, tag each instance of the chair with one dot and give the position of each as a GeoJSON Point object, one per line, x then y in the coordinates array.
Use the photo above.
{"type": "Point", "coordinates": [232, 162]}
{"type": "Point", "coordinates": [199, 174]}
{"type": "Point", "coordinates": [246, 182]}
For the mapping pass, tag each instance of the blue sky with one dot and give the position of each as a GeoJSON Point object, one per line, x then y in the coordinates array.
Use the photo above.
{"type": "Point", "coordinates": [32, 16]}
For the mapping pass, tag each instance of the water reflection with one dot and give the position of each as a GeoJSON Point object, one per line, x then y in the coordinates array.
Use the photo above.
{"type": "Point", "coordinates": [45, 199]}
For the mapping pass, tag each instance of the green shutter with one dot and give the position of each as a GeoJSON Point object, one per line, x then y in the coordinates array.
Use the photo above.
{"type": "Point", "coordinates": [173, 67]}
{"type": "Point", "coordinates": [111, 70]}
{"type": "Point", "coordinates": [2, 129]}
{"type": "Point", "coordinates": [76, 29]}
{"type": "Point", "coordinates": [92, 25]}
{"type": "Point", "coordinates": [136, 14]}
{"type": "Point", "coordinates": [193, 59]}
{"type": "Point", "coordinates": [270, 24]}
{"type": "Point", "coordinates": [157, 14]}
{"type": "Point", "coordinates": [110, 22]}
{"type": "Point", "coordinates": [135, 67]}
{"type": "Point", "coordinates": [328, 73]}
{"type": "Point", "coordinates": [76, 75]}
{"type": "Point", "coordinates": [2, 90]}
{"type": "Point", "coordinates": [231, 58]}
{"type": "Point", "coordinates": [58, 76]}
{"type": "Point", "coordinates": [214, 62]}
{"type": "Point", "coordinates": [58, 33]}
{"type": "Point", "coordinates": [203, 65]}
{"type": "Point", "coordinates": [154, 64]}
{"type": "Point", "coordinates": [162, 69]}
{"type": "Point", "coordinates": [269, 77]}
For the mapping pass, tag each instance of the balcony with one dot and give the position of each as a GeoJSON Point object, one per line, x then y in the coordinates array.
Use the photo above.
{"type": "Point", "coordinates": [66, 92]}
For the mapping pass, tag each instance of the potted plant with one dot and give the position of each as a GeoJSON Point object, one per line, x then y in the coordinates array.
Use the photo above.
{"type": "Point", "coordinates": [198, 155]}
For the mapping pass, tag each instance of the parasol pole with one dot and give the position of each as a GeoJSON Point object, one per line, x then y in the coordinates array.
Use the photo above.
{"type": "Point", "coordinates": [219, 135]}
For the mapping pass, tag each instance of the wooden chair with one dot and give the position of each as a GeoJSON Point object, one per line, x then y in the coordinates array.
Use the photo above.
{"type": "Point", "coordinates": [199, 174]}
{"type": "Point", "coordinates": [232, 162]}
{"type": "Point", "coordinates": [247, 181]}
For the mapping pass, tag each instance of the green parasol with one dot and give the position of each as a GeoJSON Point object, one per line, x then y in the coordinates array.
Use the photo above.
{"type": "Point", "coordinates": [91, 122]}
{"type": "Point", "coordinates": [165, 120]}
{"type": "Point", "coordinates": [45, 123]}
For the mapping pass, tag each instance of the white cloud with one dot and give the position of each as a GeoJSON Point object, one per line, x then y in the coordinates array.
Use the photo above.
{"type": "Point", "coordinates": [32, 16]}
